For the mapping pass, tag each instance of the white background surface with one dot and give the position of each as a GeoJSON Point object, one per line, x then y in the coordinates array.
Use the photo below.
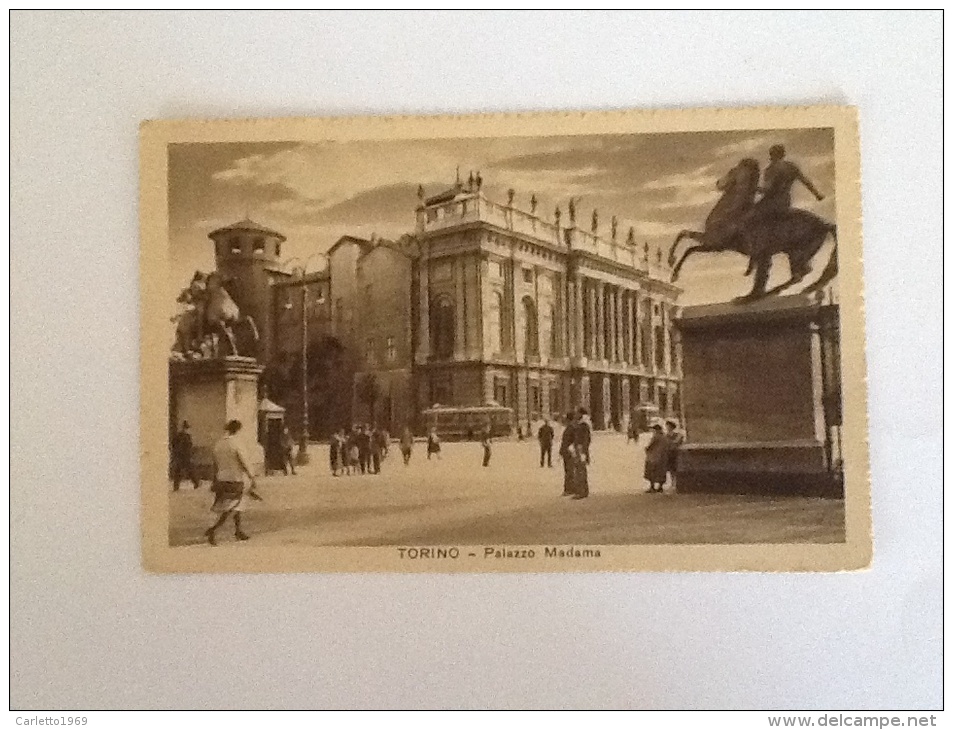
{"type": "Point", "coordinates": [90, 630]}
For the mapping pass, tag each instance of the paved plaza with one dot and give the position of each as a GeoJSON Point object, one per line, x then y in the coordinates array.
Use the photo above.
{"type": "Point", "coordinates": [454, 500]}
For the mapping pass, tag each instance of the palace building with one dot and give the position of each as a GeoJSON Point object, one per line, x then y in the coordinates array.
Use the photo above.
{"type": "Point", "coordinates": [539, 316]}
{"type": "Point", "coordinates": [485, 308]}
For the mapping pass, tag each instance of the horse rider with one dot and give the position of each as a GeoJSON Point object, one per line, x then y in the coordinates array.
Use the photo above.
{"type": "Point", "coordinates": [779, 177]}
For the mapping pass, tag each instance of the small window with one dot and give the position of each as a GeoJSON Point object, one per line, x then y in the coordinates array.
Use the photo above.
{"type": "Point", "coordinates": [391, 350]}
{"type": "Point", "coordinates": [278, 250]}
{"type": "Point", "coordinates": [370, 349]}
{"type": "Point", "coordinates": [528, 276]}
{"type": "Point", "coordinates": [259, 246]}
{"type": "Point", "coordinates": [236, 244]}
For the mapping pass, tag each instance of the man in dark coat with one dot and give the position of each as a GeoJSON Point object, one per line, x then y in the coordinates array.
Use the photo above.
{"type": "Point", "coordinates": [364, 448]}
{"type": "Point", "coordinates": [182, 466]}
{"type": "Point", "coordinates": [545, 436]}
{"type": "Point", "coordinates": [567, 448]}
{"type": "Point", "coordinates": [378, 445]}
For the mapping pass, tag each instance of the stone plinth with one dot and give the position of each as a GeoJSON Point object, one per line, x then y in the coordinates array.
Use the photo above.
{"type": "Point", "coordinates": [208, 394]}
{"type": "Point", "coordinates": [753, 405]}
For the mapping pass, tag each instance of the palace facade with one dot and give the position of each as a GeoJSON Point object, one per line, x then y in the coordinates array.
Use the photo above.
{"type": "Point", "coordinates": [539, 316]}
{"type": "Point", "coordinates": [485, 304]}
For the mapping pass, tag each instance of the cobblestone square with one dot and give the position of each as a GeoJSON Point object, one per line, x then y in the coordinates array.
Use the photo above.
{"type": "Point", "coordinates": [454, 500]}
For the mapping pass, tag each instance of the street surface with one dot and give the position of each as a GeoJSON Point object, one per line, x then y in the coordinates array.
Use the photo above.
{"type": "Point", "coordinates": [454, 500]}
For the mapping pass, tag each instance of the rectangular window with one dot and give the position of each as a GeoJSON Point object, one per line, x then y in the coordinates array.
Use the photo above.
{"type": "Point", "coordinates": [369, 351]}
{"type": "Point", "coordinates": [391, 350]}
{"type": "Point", "coordinates": [500, 394]}
{"type": "Point", "coordinates": [528, 276]}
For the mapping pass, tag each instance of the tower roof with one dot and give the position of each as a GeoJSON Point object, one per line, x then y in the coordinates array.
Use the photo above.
{"type": "Point", "coordinates": [247, 225]}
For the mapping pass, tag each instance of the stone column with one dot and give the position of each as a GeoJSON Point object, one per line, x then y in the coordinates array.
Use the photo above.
{"type": "Point", "coordinates": [627, 331]}
{"type": "Point", "coordinates": [636, 329]}
{"type": "Point", "coordinates": [592, 319]}
{"type": "Point", "coordinates": [423, 344]}
{"type": "Point", "coordinates": [667, 337]}
{"type": "Point", "coordinates": [577, 317]}
{"type": "Point", "coordinates": [613, 318]}
{"type": "Point", "coordinates": [619, 321]}
{"type": "Point", "coordinates": [650, 323]}
{"type": "Point", "coordinates": [600, 321]}
{"type": "Point", "coordinates": [459, 307]}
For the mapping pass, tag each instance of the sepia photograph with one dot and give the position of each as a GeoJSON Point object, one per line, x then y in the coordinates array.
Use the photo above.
{"type": "Point", "coordinates": [619, 341]}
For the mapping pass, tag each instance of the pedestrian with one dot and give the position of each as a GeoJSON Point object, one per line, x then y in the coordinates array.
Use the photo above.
{"type": "Point", "coordinates": [182, 466]}
{"type": "Point", "coordinates": [567, 447]}
{"type": "Point", "coordinates": [364, 448]}
{"type": "Point", "coordinates": [287, 452]}
{"type": "Point", "coordinates": [584, 434]}
{"type": "Point", "coordinates": [486, 440]}
{"type": "Point", "coordinates": [335, 449]}
{"type": "Point", "coordinates": [229, 486]}
{"type": "Point", "coordinates": [406, 445]}
{"type": "Point", "coordinates": [545, 436]}
{"type": "Point", "coordinates": [656, 459]}
{"type": "Point", "coordinates": [353, 453]}
{"type": "Point", "coordinates": [675, 440]}
{"type": "Point", "coordinates": [378, 443]}
{"type": "Point", "coordinates": [433, 444]}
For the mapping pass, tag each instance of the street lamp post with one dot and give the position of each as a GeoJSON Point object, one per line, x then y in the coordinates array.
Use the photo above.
{"type": "Point", "coordinates": [303, 457]}
{"type": "Point", "coordinates": [303, 445]}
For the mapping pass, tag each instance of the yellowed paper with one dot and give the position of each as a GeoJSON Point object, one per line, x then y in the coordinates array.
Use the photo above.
{"type": "Point", "coordinates": [672, 299]}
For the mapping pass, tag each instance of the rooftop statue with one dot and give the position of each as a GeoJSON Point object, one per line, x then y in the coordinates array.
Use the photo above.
{"type": "Point", "coordinates": [761, 228]}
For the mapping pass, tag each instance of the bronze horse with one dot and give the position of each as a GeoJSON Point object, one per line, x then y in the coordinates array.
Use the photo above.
{"type": "Point", "coordinates": [211, 313]}
{"type": "Point", "coordinates": [798, 234]}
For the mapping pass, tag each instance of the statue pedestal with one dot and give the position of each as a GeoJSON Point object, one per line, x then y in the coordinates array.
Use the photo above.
{"type": "Point", "coordinates": [208, 394]}
{"type": "Point", "coordinates": [757, 420]}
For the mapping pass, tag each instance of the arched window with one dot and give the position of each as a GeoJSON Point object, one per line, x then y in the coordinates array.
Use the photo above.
{"type": "Point", "coordinates": [531, 327]}
{"type": "Point", "coordinates": [442, 327]}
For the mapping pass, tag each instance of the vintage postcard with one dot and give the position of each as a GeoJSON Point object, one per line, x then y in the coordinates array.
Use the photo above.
{"type": "Point", "coordinates": [531, 342]}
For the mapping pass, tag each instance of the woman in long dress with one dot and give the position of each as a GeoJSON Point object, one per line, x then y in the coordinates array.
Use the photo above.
{"type": "Point", "coordinates": [656, 459]}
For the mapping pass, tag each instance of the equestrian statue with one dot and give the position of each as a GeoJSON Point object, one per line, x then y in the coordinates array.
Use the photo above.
{"type": "Point", "coordinates": [210, 323]}
{"type": "Point", "coordinates": [760, 229]}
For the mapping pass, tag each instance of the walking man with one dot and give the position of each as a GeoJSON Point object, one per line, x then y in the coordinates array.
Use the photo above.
{"type": "Point", "coordinates": [182, 458]}
{"type": "Point", "coordinates": [335, 449]}
{"type": "Point", "coordinates": [545, 436]}
{"type": "Point", "coordinates": [406, 445]}
{"type": "Point", "coordinates": [378, 444]}
{"type": "Point", "coordinates": [364, 448]}
{"type": "Point", "coordinates": [486, 440]}
{"type": "Point", "coordinates": [567, 447]}
{"type": "Point", "coordinates": [231, 468]}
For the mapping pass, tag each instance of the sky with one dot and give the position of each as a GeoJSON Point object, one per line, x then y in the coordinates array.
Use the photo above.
{"type": "Point", "coordinates": [313, 193]}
